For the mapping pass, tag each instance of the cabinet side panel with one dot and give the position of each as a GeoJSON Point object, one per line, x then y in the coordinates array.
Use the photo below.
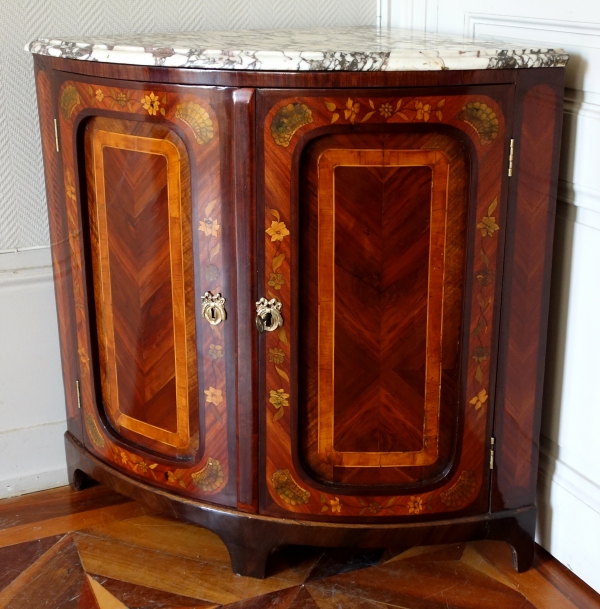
{"type": "Point", "coordinates": [61, 259]}
{"type": "Point", "coordinates": [526, 287]}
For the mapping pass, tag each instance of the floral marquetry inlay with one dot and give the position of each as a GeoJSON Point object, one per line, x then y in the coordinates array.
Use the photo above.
{"type": "Point", "coordinates": [188, 115]}
{"type": "Point", "coordinates": [152, 104]}
{"type": "Point", "coordinates": [461, 492]}
{"type": "Point", "coordinates": [288, 120]}
{"type": "Point", "coordinates": [392, 110]}
{"type": "Point", "coordinates": [279, 399]}
{"type": "Point", "coordinates": [210, 477]}
{"type": "Point", "coordinates": [483, 119]}
{"type": "Point", "coordinates": [479, 400]}
{"type": "Point", "coordinates": [484, 277]}
{"type": "Point", "coordinates": [93, 431]}
{"type": "Point", "coordinates": [278, 230]}
{"type": "Point", "coordinates": [415, 505]}
{"type": "Point", "coordinates": [197, 119]}
{"type": "Point", "coordinates": [478, 118]}
{"type": "Point", "coordinates": [69, 100]}
{"type": "Point", "coordinates": [287, 488]}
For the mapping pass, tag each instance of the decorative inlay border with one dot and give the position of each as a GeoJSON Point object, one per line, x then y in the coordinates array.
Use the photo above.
{"type": "Point", "coordinates": [463, 488]}
{"type": "Point", "coordinates": [195, 116]}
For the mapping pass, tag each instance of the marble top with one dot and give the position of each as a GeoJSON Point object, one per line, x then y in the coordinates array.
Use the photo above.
{"type": "Point", "coordinates": [358, 49]}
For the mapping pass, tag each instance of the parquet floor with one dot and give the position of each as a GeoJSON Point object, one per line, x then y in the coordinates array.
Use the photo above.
{"type": "Point", "coordinates": [98, 550]}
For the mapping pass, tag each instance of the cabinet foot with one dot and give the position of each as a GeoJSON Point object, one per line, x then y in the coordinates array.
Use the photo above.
{"type": "Point", "coordinates": [249, 561]}
{"type": "Point", "coordinates": [79, 480]}
{"type": "Point", "coordinates": [249, 538]}
{"type": "Point", "coordinates": [519, 533]}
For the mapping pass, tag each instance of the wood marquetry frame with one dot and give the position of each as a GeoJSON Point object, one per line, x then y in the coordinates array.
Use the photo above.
{"type": "Point", "coordinates": [166, 149]}
{"type": "Point", "coordinates": [327, 164]}
{"type": "Point", "coordinates": [464, 487]}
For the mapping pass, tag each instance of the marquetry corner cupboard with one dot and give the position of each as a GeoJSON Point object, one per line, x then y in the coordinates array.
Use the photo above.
{"type": "Point", "coordinates": [305, 308]}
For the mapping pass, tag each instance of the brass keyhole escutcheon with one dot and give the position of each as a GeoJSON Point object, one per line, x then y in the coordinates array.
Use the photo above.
{"type": "Point", "coordinates": [268, 315]}
{"type": "Point", "coordinates": [213, 308]}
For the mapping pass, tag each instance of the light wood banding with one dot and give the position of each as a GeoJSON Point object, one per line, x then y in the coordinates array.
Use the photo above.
{"type": "Point", "coordinates": [167, 150]}
{"type": "Point", "coordinates": [438, 163]}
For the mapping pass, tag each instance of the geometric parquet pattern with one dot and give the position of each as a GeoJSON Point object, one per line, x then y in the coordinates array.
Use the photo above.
{"type": "Point", "coordinates": [97, 550]}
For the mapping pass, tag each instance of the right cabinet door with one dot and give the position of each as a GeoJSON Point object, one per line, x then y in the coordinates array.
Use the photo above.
{"type": "Point", "coordinates": [382, 242]}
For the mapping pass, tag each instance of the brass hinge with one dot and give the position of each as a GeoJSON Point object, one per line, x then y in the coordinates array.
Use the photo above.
{"type": "Point", "coordinates": [56, 135]}
{"type": "Point", "coordinates": [78, 394]}
{"type": "Point", "coordinates": [511, 156]}
{"type": "Point", "coordinates": [492, 452]}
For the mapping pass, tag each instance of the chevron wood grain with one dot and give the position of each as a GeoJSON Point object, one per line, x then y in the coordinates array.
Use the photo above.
{"type": "Point", "coordinates": [372, 286]}
{"type": "Point", "coordinates": [529, 259]}
{"type": "Point", "coordinates": [136, 213]}
{"type": "Point", "coordinates": [381, 240]}
{"type": "Point", "coordinates": [381, 307]}
{"type": "Point", "coordinates": [355, 238]}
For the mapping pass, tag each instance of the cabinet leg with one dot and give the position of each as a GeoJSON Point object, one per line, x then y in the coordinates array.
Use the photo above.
{"type": "Point", "coordinates": [522, 555]}
{"type": "Point", "coordinates": [77, 478]}
{"type": "Point", "coordinates": [249, 561]}
{"type": "Point", "coordinates": [80, 481]}
{"type": "Point", "coordinates": [519, 533]}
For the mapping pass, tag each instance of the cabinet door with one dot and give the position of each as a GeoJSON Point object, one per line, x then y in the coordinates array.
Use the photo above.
{"type": "Point", "coordinates": [380, 216]}
{"type": "Point", "coordinates": [145, 170]}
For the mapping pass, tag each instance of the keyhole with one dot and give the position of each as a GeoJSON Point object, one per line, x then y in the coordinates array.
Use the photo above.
{"type": "Point", "coordinates": [268, 319]}
{"type": "Point", "coordinates": [212, 313]}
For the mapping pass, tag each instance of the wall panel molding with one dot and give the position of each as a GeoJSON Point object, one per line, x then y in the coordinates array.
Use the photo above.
{"type": "Point", "coordinates": [561, 473]}
{"type": "Point", "coordinates": [32, 400]}
{"type": "Point", "coordinates": [579, 196]}
{"type": "Point", "coordinates": [568, 527]}
{"type": "Point", "coordinates": [580, 39]}
{"type": "Point", "coordinates": [534, 23]}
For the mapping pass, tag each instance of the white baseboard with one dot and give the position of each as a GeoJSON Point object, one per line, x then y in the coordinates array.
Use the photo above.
{"type": "Point", "coordinates": [569, 527]}
{"type": "Point", "coordinates": [568, 514]}
{"type": "Point", "coordinates": [33, 459]}
{"type": "Point", "coordinates": [32, 403]}
{"type": "Point", "coordinates": [567, 477]}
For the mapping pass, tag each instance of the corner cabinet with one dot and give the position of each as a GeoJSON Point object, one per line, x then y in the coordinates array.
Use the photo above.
{"type": "Point", "coordinates": [305, 307]}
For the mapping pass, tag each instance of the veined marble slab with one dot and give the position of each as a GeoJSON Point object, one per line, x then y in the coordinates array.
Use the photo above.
{"type": "Point", "coordinates": [358, 49]}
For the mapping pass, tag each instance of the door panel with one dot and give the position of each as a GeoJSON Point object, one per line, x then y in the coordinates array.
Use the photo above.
{"type": "Point", "coordinates": [376, 317]}
{"type": "Point", "coordinates": [382, 269]}
{"type": "Point", "coordinates": [361, 329]}
{"type": "Point", "coordinates": [140, 217]}
{"type": "Point", "coordinates": [382, 231]}
{"type": "Point", "coordinates": [147, 187]}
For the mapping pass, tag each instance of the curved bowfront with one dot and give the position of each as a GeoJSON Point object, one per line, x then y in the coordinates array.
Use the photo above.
{"type": "Point", "coordinates": [302, 279]}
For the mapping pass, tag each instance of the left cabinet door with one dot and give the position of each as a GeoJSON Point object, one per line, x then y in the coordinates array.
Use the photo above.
{"type": "Point", "coordinates": [146, 178]}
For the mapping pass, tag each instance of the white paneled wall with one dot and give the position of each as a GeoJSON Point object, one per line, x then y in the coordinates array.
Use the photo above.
{"type": "Point", "coordinates": [569, 486]}
{"type": "Point", "coordinates": [32, 410]}
{"type": "Point", "coordinates": [32, 418]}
